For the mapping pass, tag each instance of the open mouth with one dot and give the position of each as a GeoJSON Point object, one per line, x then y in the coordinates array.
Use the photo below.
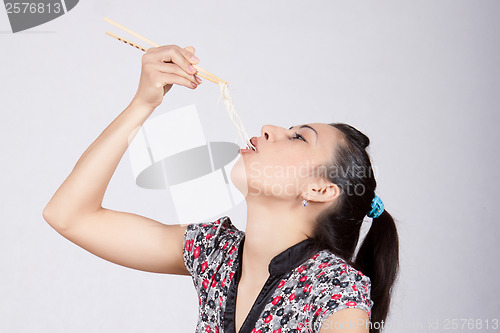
{"type": "Point", "coordinates": [249, 146]}
{"type": "Point", "coordinates": [252, 144]}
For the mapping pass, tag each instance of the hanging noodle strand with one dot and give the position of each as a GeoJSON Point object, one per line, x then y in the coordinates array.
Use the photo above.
{"type": "Point", "coordinates": [228, 102]}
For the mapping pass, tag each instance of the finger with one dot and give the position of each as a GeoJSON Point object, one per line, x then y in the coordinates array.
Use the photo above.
{"type": "Point", "coordinates": [165, 79]}
{"type": "Point", "coordinates": [184, 63]}
{"type": "Point", "coordinates": [179, 59]}
{"type": "Point", "coordinates": [175, 54]}
{"type": "Point", "coordinates": [169, 68]}
{"type": "Point", "coordinates": [190, 49]}
{"type": "Point", "coordinates": [169, 54]}
{"type": "Point", "coordinates": [189, 54]}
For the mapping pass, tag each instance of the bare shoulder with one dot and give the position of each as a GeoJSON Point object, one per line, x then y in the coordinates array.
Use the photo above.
{"type": "Point", "coordinates": [349, 320]}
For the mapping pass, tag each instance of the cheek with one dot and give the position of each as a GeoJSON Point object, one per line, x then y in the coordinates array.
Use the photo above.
{"type": "Point", "coordinates": [289, 171]}
{"type": "Point", "coordinates": [272, 175]}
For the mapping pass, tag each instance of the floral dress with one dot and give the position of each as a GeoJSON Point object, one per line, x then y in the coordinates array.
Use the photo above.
{"type": "Point", "coordinates": [301, 292]}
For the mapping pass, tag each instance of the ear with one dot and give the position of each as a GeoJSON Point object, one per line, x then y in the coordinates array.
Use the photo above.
{"type": "Point", "coordinates": [323, 192]}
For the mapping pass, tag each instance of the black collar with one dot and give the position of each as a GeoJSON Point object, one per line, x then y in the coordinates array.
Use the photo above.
{"type": "Point", "coordinates": [280, 265]}
{"type": "Point", "coordinates": [286, 260]}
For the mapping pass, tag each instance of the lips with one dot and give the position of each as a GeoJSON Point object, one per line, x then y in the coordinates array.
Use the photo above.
{"type": "Point", "coordinates": [247, 150]}
{"type": "Point", "coordinates": [254, 142]}
{"type": "Point", "coordinates": [251, 147]}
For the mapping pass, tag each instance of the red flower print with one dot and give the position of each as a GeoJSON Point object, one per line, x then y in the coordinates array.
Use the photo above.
{"type": "Point", "coordinates": [208, 236]}
{"type": "Point", "coordinates": [204, 266]}
{"type": "Point", "coordinates": [197, 252]}
{"type": "Point", "coordinates": [302, 279]}
{"type": "Point", "coordinates": [323, 265]}
{"type": "Point", "coordinates": [337, 296]}
{"type": "Point", "coordinates": [277, 331]}
{"type": "Point", "coordinates": [292, 296]}
{"type": "Point", "coordinates": [282, 283]}
{"type": "Point", "coordinates": [206, 283]}
{"type": "Point", "coordinates": [208, 328]}
{"type": "Point", "coordinates": [301, 268]}
{"type": "Point", "coordinates": [351, 303]}
{"type": "Point", "coordinates": [268, 319]}
{"type": "Point", "coordinates": [189, 244]}
{"type": "Point", "coordinates": [317, 312]}
{"type": "Point", "coordinates": [276, 300]}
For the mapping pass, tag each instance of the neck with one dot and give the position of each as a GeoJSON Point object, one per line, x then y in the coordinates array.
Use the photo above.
{"type": "Point", "coordinates": [272, 227]}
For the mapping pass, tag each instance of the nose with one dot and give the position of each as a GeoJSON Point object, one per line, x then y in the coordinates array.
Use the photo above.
{"type": "Point", "coordinates": [271, 132]}
{"type": "Point", "coordinates": [264, 132]}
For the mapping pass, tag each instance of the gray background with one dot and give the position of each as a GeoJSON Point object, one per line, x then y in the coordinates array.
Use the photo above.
{"type": "Point", "coordinates": [420, 78]}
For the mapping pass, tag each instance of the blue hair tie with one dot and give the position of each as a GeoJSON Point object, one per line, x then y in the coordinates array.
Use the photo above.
{"type": "Point", "coordinates": [377, 207]}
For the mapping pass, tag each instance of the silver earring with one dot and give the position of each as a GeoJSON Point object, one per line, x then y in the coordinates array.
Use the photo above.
{"type": "Point", "coordinates": [304, 203]}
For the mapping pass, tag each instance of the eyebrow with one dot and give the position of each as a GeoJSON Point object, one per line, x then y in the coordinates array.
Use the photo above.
{"type": "Point", "coordinates": [307, 126]}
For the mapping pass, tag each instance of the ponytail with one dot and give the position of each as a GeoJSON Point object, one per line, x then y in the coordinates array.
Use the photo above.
{"type": "Point", "coordinates": [378, 258]}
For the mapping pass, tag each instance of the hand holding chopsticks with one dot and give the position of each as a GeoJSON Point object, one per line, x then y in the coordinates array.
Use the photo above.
{"type": "Point", "coordinates": [200, 71]}
{"type": "Point", "coordinates": [154, 96]}
{"type": "Point", "coordinates": [161, 68]}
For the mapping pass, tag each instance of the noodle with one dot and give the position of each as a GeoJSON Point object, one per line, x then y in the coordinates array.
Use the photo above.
{"type": "Point", "coordinates": [228, 101]}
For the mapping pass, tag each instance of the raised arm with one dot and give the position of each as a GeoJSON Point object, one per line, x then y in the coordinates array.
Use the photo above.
{"type": "Point", "coordinates": [75, 210]}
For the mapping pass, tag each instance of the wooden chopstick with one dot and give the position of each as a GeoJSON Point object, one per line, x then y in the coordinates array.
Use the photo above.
{"type": "Point", "coordinates": [125, 41]}
{"type": "Point", "coordinates": [201, 72]}
{"type": "Point", "coordinates": [130, 31]}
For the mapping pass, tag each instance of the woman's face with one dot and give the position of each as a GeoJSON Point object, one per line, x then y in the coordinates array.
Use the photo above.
{"type": "Point", "coordinates": [287, 161]}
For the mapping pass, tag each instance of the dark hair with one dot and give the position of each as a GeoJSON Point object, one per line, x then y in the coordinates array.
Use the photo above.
{"type": "Point", "coordinates": [338, 228]}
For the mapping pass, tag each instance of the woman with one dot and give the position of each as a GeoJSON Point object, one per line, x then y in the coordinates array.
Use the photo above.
{"type": "Point", "coordinates": [307, 190]}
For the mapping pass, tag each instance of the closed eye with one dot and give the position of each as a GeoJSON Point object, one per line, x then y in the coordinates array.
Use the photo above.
{"type": "Point", "coordinates": [298, 136]}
